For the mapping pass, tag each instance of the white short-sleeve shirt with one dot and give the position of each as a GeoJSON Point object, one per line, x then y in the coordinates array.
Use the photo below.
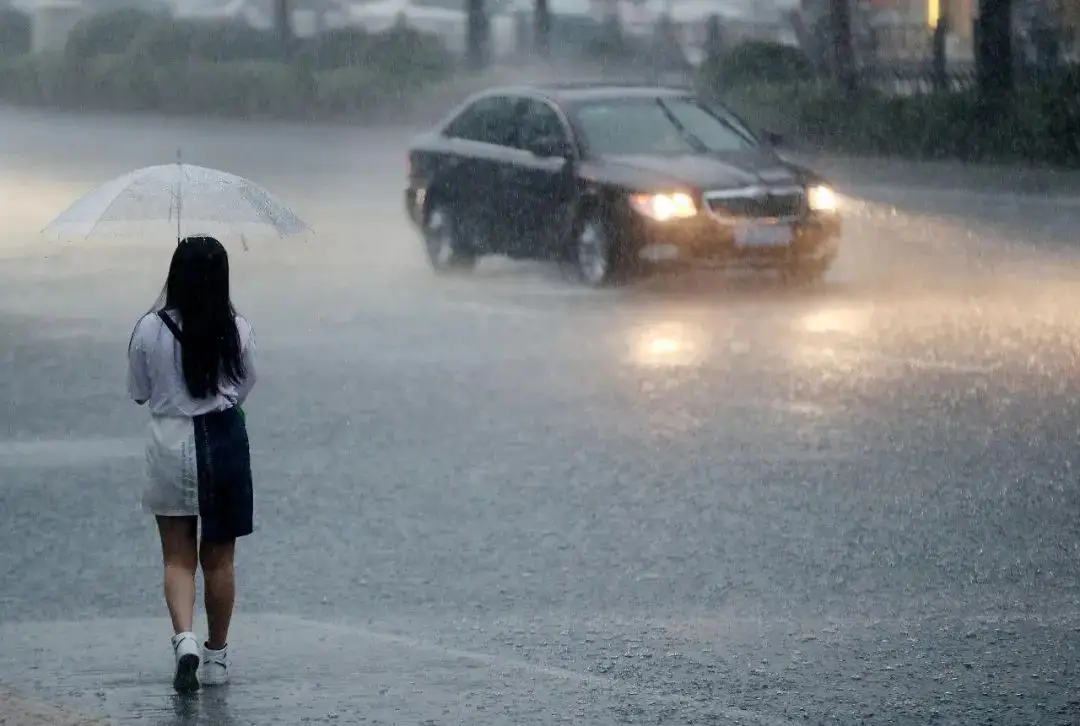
{"type": "Point", "coordinates": [155, 374]}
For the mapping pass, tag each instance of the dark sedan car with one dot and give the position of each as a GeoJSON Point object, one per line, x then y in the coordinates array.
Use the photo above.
{"type": "Point", "coordinates": [613, 178]}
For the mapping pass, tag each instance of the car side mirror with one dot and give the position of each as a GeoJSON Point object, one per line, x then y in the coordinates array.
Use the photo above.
{"type": "Point", "coordinates": [549, 147]}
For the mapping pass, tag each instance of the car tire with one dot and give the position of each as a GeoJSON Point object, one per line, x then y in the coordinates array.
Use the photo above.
{"type": "Point", "coordinates": [807, 273]}
{"type": "Point", "coordinates": [595, 253]}
{"type": "Point", "coordinates": [443, 241]}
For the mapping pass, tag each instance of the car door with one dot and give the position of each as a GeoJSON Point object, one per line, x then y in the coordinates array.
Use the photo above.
{"type": "Point", "coordinates": [539, 186]}
{"type": "Point", "coordinates": [480, 140]}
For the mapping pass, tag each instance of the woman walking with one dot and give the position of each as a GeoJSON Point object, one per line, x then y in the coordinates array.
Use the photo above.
{"type": "Point", "coordinates": [190, 360]}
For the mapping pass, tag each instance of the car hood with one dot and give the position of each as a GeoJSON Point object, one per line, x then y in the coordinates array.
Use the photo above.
{"type": "Point", "coordinates": [703, 171]}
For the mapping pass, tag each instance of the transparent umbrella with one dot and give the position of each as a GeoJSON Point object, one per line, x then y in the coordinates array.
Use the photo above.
{"type": "Point", "coordinates": [190, 199]}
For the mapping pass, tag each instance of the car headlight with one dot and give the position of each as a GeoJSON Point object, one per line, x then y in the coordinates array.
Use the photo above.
{"type": "Point", "coordinates": [821, 198]}
{"type": "Point", "coordinates": [662, 207]}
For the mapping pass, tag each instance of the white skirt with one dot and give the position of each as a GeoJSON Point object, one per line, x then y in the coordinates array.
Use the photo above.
{"type": "Point", "coordinates": [172, 468]}
{"type": "Point", "coordinates": [201, 467]}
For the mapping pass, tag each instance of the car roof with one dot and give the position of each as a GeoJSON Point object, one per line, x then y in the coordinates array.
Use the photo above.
{"type": "Point", "coordinates": [568, 92]}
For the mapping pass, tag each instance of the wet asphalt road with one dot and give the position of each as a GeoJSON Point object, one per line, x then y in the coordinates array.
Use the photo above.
{"type": "Point", "coordinates": [504, 499]}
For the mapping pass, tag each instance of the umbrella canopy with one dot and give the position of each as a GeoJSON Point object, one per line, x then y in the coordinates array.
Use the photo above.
{"type": "Point", "coordinates": [191, 199]}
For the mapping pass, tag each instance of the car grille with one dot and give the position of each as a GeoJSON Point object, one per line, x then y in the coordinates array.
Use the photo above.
{"type": "Point", "coordinates": [756, 203]}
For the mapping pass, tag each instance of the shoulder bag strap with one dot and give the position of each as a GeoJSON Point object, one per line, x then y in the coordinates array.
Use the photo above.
{"type": "Point", "coordinates": [171, 325]}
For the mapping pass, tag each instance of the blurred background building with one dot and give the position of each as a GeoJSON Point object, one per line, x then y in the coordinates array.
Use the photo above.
{"type": "Point", "coordinates": [887, 30]}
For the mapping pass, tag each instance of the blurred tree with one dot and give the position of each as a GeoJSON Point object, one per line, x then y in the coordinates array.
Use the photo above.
{"type": "Point", "coordinates": [542, 21]}
{"type": "Point", "coordinates": [994, 51]}
{"type": "Point", "coordinates": [611, 32]}
{"type": "Point", "coordinates": [523, 35]}
{"type": "Point", "coordinates": [759, 62]}
{"type": "Point", "coordinates": [105, 34]}
{"type": "Point", "coordinates": [283, 21]}
{"type": "Point", "coordinates": [476, 34]}
{"type": "Point", "coordinates": [940, 61]}
{"type": "Point", "coordinates": [843, 49]}
{"type": "Point", "coordinates": [714, 40]}
{"type": "Point", "coordinates": [808, 32]}
{"type": "Point", "coordinates": [813, 25]}
{"type": "Point", "coordinates": [1045, 35]}
{"type": "Point", "coordinates": [15, 32]}
{"type": "Point", "coordinates": [609, 45]}
{"type": "Point", "coordinates": [667, 49]}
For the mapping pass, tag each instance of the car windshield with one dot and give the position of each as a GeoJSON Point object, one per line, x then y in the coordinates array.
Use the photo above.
{"type": "Point", "coordinates": [654, 126]}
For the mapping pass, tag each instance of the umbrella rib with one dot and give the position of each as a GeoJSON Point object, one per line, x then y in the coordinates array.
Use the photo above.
{"type": "Point", "coordinates": [270, 201]}
{"type": "Point", "coordinates": [120, 190]}
{"type": "Point", "coordinates": [105, 212]}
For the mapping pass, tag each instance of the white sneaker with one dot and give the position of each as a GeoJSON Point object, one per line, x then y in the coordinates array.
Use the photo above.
{"type": "Point", "coordinates": [186, 649]}
{"type": "Point", "coordinates": [215, 666]}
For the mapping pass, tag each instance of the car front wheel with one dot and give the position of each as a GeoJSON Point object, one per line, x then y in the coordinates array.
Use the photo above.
{"type": "Point", "coordinates": [810, 272]}
{"type": "Point", "coordinates": [443, 242]}
{"type": "Point", "coordinates": [595, 253]}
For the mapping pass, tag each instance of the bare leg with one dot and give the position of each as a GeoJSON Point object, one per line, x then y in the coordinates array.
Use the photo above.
{"type": "Point", "coordinates": [220, 577]}
{"type": "Point", "coordinates": [179, 549]}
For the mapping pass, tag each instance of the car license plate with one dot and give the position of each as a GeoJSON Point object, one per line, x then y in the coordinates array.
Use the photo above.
{"type": "Point", "coordinates": [763, 235]}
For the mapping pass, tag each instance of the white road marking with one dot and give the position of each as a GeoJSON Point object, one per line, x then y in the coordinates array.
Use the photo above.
{"type": "Point", "coordinates": [47, 453]}
{"type": "Point", "coordinates": [76, 646]}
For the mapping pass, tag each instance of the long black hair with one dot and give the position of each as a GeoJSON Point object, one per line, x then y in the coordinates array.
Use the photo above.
{"type": "Point", "coordinates": [197, 290]}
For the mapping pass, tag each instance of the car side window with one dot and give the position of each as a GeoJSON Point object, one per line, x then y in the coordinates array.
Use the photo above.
{"type": "Point", "coordinates": [490, 120]}
{"type": "Point", "coordinates": [538, 121]}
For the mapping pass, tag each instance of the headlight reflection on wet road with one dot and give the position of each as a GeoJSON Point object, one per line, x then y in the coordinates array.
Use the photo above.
{"type": "Point", "coordinates": [829, 340]}
{"type": "Point", "coordinates": [823, 338]}
{"type": "Point", "coordinates": [669, 344]}
{"type": "Point", "coordinates": [850, 320]}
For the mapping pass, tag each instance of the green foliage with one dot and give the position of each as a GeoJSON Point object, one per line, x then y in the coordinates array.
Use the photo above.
{"type": "Point", "coordinates": [612, 46]}
{"type": "Point", "coordinates": [32, 80]}
{"type": "Point", "coordinates": [217, 70]}
{"type": "Point", "coordinates": [571, 35]}
{"type": "Point", "coordinates": [15, 33]}
{"type": "Point", "coordinates": [116, 81]}
{"type": "Point", "coordinates": [395, 50]}
{"type": "Point", "coordinates": [165, 41]}
{"type": "Point", "coordinates": [412, 57]}
{"type": "Point", "coordinates": [714, 39]}
{"type": "Point", "coordinates": [1058, 102]}
{"type": "Point", "coordinates": [756, 62]}
{"type": "Point", "coordinates": [338, 48]}
{"type": "Point", "coordinates": [665, 50]}
{"type": "Point", "coordinates": [106, 33]}
{"type": "Point", "coordinates": [232, 88]}
{"type": "Point", "coordinates": [229, 42]}
{"type": "Point", "coordinates": [353, 90]}
{"type": "Point", "coordinates": [1038, 125]}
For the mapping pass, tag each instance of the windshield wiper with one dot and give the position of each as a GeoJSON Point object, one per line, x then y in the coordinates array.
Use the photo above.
{"type": "Point", "coordinates": [699, 145]}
